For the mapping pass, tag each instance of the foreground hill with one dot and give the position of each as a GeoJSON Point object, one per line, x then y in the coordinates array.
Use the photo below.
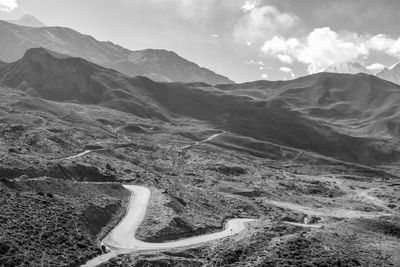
{"type": "Point", "coordinates": [290, 113]}
{"type": "Point", "coordinates": [159, 65]}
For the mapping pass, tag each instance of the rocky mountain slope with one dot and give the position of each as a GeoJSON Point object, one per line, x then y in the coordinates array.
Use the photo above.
{"type": "Point", "coordinates": [341, 116]}
{"type": "Point", "coordinates": [391, 74]}
{"type": "Point", "coordinates": [159, 65]}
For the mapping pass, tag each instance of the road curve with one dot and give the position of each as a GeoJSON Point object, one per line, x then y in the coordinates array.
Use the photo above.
{"type": "Point", "coordinates": [212, 137]}
{"type": "Point", "coordinates": [122, 238]}
{"type": "Point", "coordinates": [77, 155]}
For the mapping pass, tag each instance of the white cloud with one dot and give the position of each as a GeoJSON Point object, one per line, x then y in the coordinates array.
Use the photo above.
{"type": "Point", "coordinates": [385, 44]}
{"type": "Point", "coordinates": [8, 5]}
{"type": "Point", "coordinates": [253, 62]}
{"type": "Point", "coordinates": [264, 76]}
{"type": "Point", "coordinates": [288, 71]}
{"type": "Point", "coordinates": [250, 5]}
{"type": "Point", "coordinates": [261, 23]}
{"type": "Point", "coordinates": [380, 42]}
{"type": "Point", "coordinates": [250, 62]}
{"type": "Point", "coordinates": [325, 47]}
{"type": "Point", "coordinates": [279, 44]}
{"type": "Point", "coordinates": [320, 49]}
{"type": "Point", "coordinates": [281, 48]}
{"type": "Point", "coordinates": [285, 58]}
{"type": "Point", "coordinates": [376, 67]}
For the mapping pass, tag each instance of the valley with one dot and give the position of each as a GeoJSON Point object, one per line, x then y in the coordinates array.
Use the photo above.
{"type": "Point", "coordinates": [112, 157]}
{"type": "Point", "coordinates": [309, 208]}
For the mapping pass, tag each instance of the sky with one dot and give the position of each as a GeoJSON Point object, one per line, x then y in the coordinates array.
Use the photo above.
{"type": "Point", "coordinates": [245, 40]}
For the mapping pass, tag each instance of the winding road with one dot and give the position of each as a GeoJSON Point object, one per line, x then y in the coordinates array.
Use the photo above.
{"type": "Point", "coordinates": [212, 137]}
{"type": "Point", "coordinates": [77, 155]}
{"type": "Point", "coordinates": [122, 240]}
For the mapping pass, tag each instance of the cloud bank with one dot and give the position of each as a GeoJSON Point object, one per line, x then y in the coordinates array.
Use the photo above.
{"type": "Point", "coordinates": [261, 22]}
{"type": "Point", "coordinates": [8, 5]}
{"type": "Point", "coordinates": [323, 47]}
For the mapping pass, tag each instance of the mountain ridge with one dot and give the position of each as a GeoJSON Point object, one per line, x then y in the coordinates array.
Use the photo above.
{"type": "Point", "coordinates": [351, 67]}
{"type": "Point", "coordinates": [293, 114]}
{"type": "Point", "coordinates": [27, 20]}
{"type": "Point", "coordinates": [107, 54]}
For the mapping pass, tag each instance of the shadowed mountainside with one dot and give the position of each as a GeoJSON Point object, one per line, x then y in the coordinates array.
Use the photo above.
{"type": "Point", "coordinates": [160, 65]}
{"type": "Point", "coordinates": [285, 113]}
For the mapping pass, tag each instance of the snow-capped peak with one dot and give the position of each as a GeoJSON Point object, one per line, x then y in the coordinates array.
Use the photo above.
{"type": "Point", "coordinates": [351, 67]}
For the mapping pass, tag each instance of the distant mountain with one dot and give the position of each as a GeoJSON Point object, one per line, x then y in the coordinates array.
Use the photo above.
{"type": "Point", "coordinates": [352, 67]}
{"type": "Point", "coordinates": [28, 20]}
{"type": "Point", "coordinates": [349, 117]}
{"type": "Point", "coordinates": [391, 74]}
{"type": "Point", "coordinates": [171, 66]}
{"type": "Point", "coordinates": [360, 105]}
{"type": "Point", "coordinates": [159, 65]}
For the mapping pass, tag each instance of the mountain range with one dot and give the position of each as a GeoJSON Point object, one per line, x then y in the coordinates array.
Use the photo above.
{"type": "Point", "coordinates": [311, 164]}
{"type": "Point", "coordinates": [352, 67]}
{"type": "Point", "coordinates": [391, 74]}
{"type": "Point", "coordinates": [159, 65]}
{"type": "Point", "coordinates": [351, 117]}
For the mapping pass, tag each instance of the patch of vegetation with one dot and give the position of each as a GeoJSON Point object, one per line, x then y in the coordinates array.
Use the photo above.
{"type": "Point", "coordinates": [45, 223]}
{"type": "Point", "coordinates": [42, 231]}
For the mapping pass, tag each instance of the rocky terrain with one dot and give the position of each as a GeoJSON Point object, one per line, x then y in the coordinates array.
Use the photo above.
{"type": "Point", "coordinates": [314, 160]}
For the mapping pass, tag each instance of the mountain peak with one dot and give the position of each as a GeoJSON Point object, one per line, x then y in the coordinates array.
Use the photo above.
{"type": "Point", "coordinates": [40, 51]}
{"type": "Point", "coordinates": [29, 21]}
{"type": "Point", "coordinates": [350, 67]}
{"type": "Point", "coordinates": [395, 66]}
{"type": "Point", "coordinates": [391, 74]}
{"type": "Point", "coordinates": [156, 64]}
